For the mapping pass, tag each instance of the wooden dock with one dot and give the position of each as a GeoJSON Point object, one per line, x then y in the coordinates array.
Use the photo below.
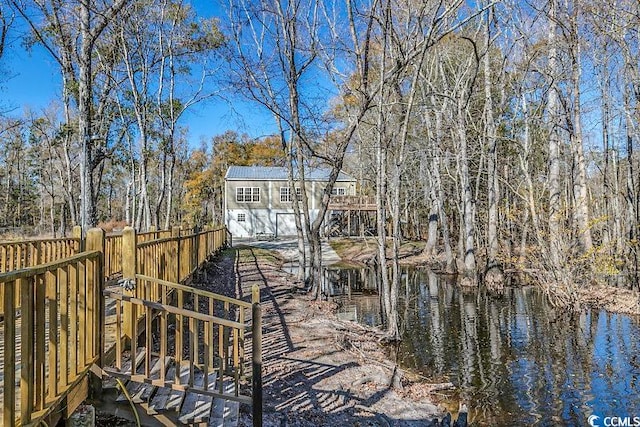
{"type": "Point", "coordinates": [77, 322]}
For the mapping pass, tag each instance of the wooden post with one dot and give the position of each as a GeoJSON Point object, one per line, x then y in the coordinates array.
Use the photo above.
{"type": "Point", "coordinates": [27, 329]}
{"type": "Point", "coordinates": [175, 262]}
{"type": "Point", "coordinates": [255, 294]}
{"type": "Point", "coordinates": [76, 233]}
{"type": "Point", "coordinates": [95, 242]}
{"type": "Point", "coordinates": [95, 297]}
{"type": "Point", "coordinates": [256, 379]}
{"type": "Point", "coordinates": [129, 262]}
{"type": "Point", "coordinates": [9, 405]}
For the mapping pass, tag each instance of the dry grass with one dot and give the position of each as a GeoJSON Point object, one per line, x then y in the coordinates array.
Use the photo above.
{"type": "Point", "coordinates": [614, 299]}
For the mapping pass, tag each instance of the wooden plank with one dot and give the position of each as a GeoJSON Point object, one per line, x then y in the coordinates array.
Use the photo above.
{"type": "Point", "coordinates": [137, 367]}
{"type": "Point", "coordinates": [73, 321]}
{"type": "Point", "coordinates": [146, 391]}
{"type": "Point", "coordinates": [231, 413]}
{"type": "Point", "coordinates": [26, 350]}
{"type": "Point", "coordinates": [119, 334]}
{"type": "Point", "coordinates": [9, 403]}
{"type": "Point", "coordinates": [204, 404]}
{"type": "Point", "coordinates": [224, 412]}
{"type": "Point", "coordinates": [197, 407]}
{"type": "Point", "coordinates": [174, 401]}
{"type": "Point", "coordinates": [160, 399]}
{"type": "Point", "coordinates": [51, 282]}
{"type": "Point", "coordinates": [63, 277]}
{"type": "Point", "coordinates": [82, 314]}
{"type": "Point", "coordinates": [40, 350]}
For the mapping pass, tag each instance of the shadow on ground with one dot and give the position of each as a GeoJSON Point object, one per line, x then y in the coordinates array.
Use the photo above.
{"type": "Point", "coordinates": [308, 380]}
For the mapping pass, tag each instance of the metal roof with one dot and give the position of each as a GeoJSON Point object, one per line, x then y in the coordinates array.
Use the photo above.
{"type": "Point", "coordinates": [277, 173]}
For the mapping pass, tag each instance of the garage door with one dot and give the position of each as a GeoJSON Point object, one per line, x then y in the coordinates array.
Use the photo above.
{"type": "Point", "coordinates": [286, 224]}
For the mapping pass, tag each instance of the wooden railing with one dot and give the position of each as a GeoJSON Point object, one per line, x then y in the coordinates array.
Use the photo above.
{"type": "Point", "coordinates": [52, 337]}
{"type": "Point", "coordinates": [19, 255]}
{"type": "Point", "coordinates": [24, 254]}
{"type": "Point", "coordinates": [352, 202]}
{"type": "Point", "coordinates": [198, 331]}
{"type": "Point", "coordinates": [28, 253]}
{"type": "Point", "coordinates": [56, 330]}
{"type": "Point", "coordinates": [154, 235]}
{"type": "Point", "coordinates": [186, 253]}
{"type": "Point", "coordinates": [112, 255]}
{"type": "Point", "coordinates": [113, 246]}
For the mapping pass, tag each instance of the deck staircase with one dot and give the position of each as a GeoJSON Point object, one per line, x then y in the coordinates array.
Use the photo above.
{"type": "Point", "coordinates": [192, 354]}
{"type": "Point", "coordinates": [179, 406]}
{"type": "Point", "coordinates": [183, 355]}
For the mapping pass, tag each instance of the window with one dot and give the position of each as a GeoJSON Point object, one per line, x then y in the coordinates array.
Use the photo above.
{"type": "Point", "coordinates": [338, 191]}
{"type": "Point", "coordinates": [248, 194]}
{"type": "Point", "coordinates": [242, 217]}
{"type": "Point", "coordinates": [285, 194]}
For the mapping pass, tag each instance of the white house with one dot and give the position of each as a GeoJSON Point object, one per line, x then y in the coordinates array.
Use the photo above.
{"type": "Point", "coordinates": [258, 199]}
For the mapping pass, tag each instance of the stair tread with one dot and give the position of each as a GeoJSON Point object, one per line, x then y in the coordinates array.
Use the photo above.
{"type": "Point", "coordinates": [224, 413]}
{"type": "Point", "coordinates": [132, 387]}
{"type": "Point", "coordinates": [161, 397]}
{"type": "Point", "coordinates": [197, 407]}
{"type": "Point", "coordinates": [175, 397]}
{"type": "Point", "coordinates": [145, 390]}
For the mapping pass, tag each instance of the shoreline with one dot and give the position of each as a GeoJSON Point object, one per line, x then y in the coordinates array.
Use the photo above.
{"type": "Point", "coordinates": [613, 299]}
{"type": "Point", "coordinates": [319, 370]}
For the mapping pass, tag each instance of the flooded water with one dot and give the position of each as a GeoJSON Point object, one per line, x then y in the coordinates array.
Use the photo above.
{"type": "Point", "coordinates": [515, 361]}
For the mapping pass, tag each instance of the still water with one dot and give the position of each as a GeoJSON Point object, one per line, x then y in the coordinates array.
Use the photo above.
{"type": "Point", "coordinates": [515, 361]}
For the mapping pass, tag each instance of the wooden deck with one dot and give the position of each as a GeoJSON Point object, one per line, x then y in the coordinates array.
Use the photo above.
{"type": "Point", "coordinates": [352, 203]}
{"type": "Point", "coordinates": [67, 320]}
{"type": "Point", "coordinates": [110, 338]}
{"type": "Point", "coordinates": [180, 407]}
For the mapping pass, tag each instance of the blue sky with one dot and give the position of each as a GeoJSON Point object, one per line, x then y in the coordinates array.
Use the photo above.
{"type": "Point", "coordinates": [31, 80]}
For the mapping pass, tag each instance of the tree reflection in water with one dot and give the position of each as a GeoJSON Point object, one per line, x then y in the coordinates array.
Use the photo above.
{"type": "Point", "coordinates": [515, 360]}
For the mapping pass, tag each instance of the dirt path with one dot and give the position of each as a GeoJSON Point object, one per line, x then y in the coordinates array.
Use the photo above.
{"type": "Point", "coordinates": [317, 370]}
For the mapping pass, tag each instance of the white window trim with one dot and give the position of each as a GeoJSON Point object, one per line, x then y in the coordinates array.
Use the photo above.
{"type": "Point", "coordinates": [288, 198]}
{"type": "Point", "coordinates": [242, 217]}
{"type": "Point", "coordinates": [285, 195]}
{"type": "Point", "coordinates": [339, 191]}
{"type": "Point", "coordinates": [250, 196]}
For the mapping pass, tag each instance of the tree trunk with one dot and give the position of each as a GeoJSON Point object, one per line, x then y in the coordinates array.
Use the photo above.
{"type": "Point", "coordinates": [493, 278]}
{"type": "Point", "coordinates": [555, 189]}
{"type": "Point", "coordinates": [468, 204]}
{"type": "Point", "coordinates": [87, 210]}
{"type": "Point", "coordinates": [581, 212]}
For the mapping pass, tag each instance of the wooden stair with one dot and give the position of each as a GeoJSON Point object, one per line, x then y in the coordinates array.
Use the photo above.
{"type": "Point", "coordinates": [187, 408]}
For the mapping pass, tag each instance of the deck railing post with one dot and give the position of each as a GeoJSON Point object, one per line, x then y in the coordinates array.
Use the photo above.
{"type": "Point", "coordinates": [129, 262]}
{"type": "Point", "coordinates": [255, 294]}
{"type": "Point", "coordinates": [76, 233]}
{"type": "Point", "coordinates": [175, 259]}
{"type": "Point", "coordinates": [95, 285]}
{"type": "Point", "coordinates": [256, 377]}
{"type": "Point", "coordinates": [9, 368]}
